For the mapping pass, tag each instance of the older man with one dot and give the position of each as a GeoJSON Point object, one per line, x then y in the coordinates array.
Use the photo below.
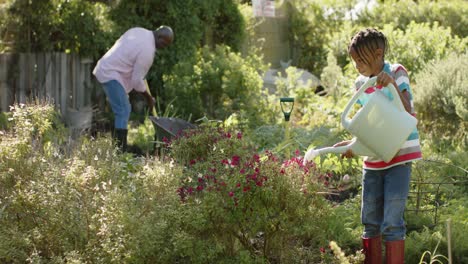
{"type": "Point", "coordinates": [123, 69]}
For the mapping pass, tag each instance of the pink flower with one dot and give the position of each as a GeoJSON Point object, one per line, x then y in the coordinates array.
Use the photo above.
{"type": "Point", "coordinates": [239, 135]}
{"type": "Point", "coordinates": [242, 171]}
{"type": "Point", "coordinates": [322, 250]}
{"type": "Point", "coordinates": [238, 185]}
{"type": "Point", "coordinates": [256, 158]}
{"type": "Point", "coordinates": [231, 194]}
{"type": "Point", "coordinates": [190, 190]}
{"type": "Point", "coordinates": [235, 160]}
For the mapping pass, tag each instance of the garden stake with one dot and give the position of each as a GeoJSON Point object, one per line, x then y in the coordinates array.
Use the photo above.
{"type": "Point", "coordinates": [449, 243]}
{"type": "Point", "coordinates": [287, 114]}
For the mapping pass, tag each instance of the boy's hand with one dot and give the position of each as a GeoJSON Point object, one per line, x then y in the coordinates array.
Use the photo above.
{"type": "Point", "coordinates": [383, 79]}
{"type": "Point", "coordinates": [349, 153]}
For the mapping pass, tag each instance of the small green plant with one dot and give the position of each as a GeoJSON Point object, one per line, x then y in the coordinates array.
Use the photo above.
{"type": "Point", "coordinates": [433, 256]}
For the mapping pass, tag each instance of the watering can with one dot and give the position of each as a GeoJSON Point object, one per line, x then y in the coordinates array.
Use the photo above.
{"type": "Point", "coordinates": [379, 128]}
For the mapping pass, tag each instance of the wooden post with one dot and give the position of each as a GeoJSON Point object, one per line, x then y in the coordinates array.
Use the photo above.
{"type": "Point", "coordinates": [4, 86]}
{"type": "Point", "coordinates": [24, 75]}
{"type": "Point", "coordinates": [37, 92]}
{"type": "Point", "coordinates": [47, 83]}
{"type": "Point", "coordinates": [56, 79]}
{"type": "Point", "coordinates": [63, 73]}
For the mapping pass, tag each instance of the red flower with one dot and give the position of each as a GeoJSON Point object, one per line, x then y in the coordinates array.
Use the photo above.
{"type": "Point", "coordinates": [231, 194]}
{"type": "Point", "coordinates": [322, 250]}
{"type": "Point", "coordinates": [259, 183]}
{"type": "Point", "coordinates": [200, 188]}
{"type": "Point", "coordinates": [256, 158]}
{"type": "Point", "coordinates": [192, 162]}
{"type": "Point", "coordinates": [239, 135]}
{"type": "Point", "coordinates": [235, 160]}
{"type": "Point", "coordinates": [242, 171]}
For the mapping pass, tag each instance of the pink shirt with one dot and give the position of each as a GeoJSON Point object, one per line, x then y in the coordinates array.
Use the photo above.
{"type": "Point", "coordinates": [129, 60]}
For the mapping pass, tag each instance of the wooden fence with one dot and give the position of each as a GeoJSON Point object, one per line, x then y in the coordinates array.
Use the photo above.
{"type": "Point", "coordinates": [64, 79]}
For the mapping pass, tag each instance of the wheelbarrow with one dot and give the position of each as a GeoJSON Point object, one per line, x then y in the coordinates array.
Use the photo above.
{"type": "Point", "coordinates": [170, 127]}
{"type": "Point", "coordinates": [166, 127]}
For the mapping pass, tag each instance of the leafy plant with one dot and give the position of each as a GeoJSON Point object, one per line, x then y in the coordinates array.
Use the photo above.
{"type": "Point", "coordinates": [419, 44]}
{"type": "Point", "coordinates": [441, 102]}
{"type": "Point", "coordinates": [220, 83]}
{"type": "Point", "coordinates": [55, 25]}
{"type": "Point", "coordinates": [433, 256]}
{"type": "Point", "coordinates": [252, 202]}
{"type": "Point", "coordinates": [449, 14]}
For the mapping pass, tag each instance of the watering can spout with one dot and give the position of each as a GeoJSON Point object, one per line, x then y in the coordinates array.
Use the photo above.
{"type": "Point", "coordinates": [355, 146]}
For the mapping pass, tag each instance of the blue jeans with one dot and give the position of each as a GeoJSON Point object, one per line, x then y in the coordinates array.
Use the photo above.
{"type": "Point", "coordinates": [119, 102]}
{"type": "Point", "coordinates": [384, 196]}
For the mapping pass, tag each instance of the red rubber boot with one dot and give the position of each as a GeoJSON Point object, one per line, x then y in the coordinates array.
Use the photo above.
{"type": "Point", "coordinates": [372, 250]}
{"type": "Point", "coordinates": [395, 252]}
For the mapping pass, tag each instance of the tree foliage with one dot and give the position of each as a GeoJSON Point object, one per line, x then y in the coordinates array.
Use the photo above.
{"type": "Point", "coordinates": [54, 25]}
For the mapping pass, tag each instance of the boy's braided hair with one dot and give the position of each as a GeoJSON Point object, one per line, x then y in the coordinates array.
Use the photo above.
{"type": "Point", "coordinates": [366, 41]}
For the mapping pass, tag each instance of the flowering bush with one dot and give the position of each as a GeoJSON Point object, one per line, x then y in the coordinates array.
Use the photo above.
{"type": "Point", "coordinates": [253, 202]}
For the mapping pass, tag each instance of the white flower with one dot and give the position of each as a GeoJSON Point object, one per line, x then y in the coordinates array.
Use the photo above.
{"type": "Point", "coordinates": [346, 178]}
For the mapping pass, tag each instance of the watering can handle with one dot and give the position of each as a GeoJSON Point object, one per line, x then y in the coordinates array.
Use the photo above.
{"type": "Point", "coordinates": [346, 121]}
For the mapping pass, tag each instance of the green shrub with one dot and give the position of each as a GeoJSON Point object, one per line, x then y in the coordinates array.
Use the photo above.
{"type": "Point", "coordinates": [441, 102]}
{"type": "Point", "coordinates": [75, 201]}
{"type": "Point", "coordinates": [419, 44]}
{"type": "Point", "coordinates": [219, 84]}
{"type": "Point", "coordinates": [449, 14]}
{"type": "Point", "coordinates": [67, 26]}
{"type": "Point", "coordinates": [250, 202]}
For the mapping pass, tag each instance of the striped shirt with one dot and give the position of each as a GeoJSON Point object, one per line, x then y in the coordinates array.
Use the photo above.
{"type": "Point", "coordinates": [411, 149]}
